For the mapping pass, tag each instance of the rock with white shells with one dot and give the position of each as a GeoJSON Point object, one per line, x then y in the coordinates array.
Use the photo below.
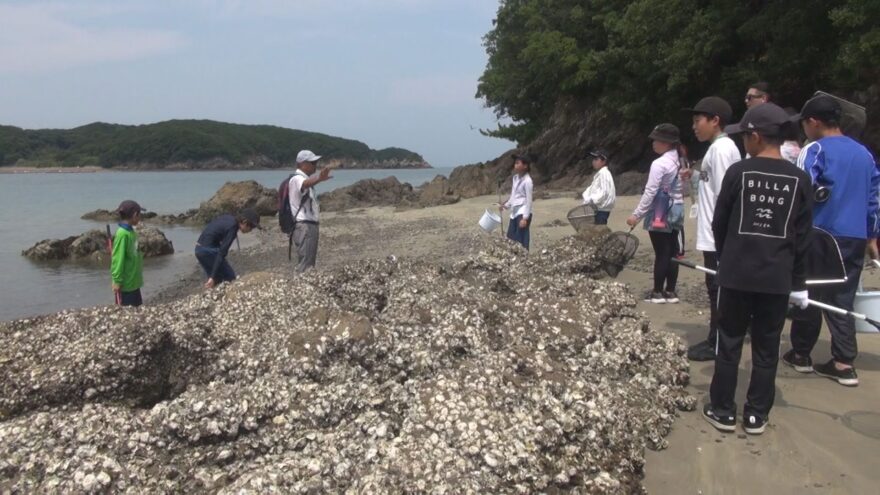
{"type": "Point", "coordinates": [503, 373]}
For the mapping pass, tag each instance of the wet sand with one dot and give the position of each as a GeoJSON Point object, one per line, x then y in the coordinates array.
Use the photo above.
{"type": "Point", "coordinates": [822, 437]}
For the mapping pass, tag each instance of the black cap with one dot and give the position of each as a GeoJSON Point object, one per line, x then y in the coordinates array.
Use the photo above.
{"type": "Point", "coordinates": [767, 119]}
{"type": "Point", "coordinates": [666, 133]}
{"type": "Point", "coordinates": [524, 157]}
{"type": "Point", "coordinates": [128, 208]}
{"type": "Point", "coordinates": [251, 216]}
{"type": "Point", "coordinates": [823, 107]}
{"type": "Point", "coordinates": [599, 153]}
{"type": "Point", "coordinates": [713, 105]}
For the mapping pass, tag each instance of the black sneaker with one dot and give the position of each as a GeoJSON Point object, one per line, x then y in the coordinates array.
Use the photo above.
{"type": "Point", "coordinates": [721, 423]}
{"type": "Point", "coordinates": [754, 425]}
{"type": "Point", "coordinates": [704, 351]}
{"type": "Point", "coordinates": [670, 296]}
{"type": "Point", "coordinates": [801, 364]}
{"type": "Point", "coordinates": [847, 377]}
{"type": "Point", "coordinates": [655, 297]}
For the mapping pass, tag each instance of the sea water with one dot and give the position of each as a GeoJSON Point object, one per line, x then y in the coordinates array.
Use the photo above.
{"type": "Point", "coordinates": [37, 206]}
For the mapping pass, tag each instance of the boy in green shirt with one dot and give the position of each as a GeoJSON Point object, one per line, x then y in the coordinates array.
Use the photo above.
{"type": "Point", "coordinates": [126, 263]}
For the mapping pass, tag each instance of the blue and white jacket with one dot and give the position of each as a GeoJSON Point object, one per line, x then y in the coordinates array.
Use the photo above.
{"type": "Point", "coordinates": [850, 172]}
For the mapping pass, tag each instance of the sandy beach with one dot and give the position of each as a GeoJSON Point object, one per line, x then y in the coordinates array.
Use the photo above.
{"type": "Point", "coordinates": [822, 437]}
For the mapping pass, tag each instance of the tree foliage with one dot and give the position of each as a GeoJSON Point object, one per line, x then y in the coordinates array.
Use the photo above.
{"type": "Point", "coordinates": [177, 141]}
{"type": "Point", "coordinates": [645, 59]}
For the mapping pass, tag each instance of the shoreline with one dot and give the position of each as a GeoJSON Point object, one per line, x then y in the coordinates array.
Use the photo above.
{"type": "Point", "coordinates": [93, 169]}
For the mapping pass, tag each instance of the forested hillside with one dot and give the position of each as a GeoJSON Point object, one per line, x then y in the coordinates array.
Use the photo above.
{"type": "Point", "coordinates": [566, 75]}
{"type": "Point", "coordinates": [183, 143]}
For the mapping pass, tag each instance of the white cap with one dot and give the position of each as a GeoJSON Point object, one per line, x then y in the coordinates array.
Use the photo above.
{"type": "Point", "coordinates": [306, 156]}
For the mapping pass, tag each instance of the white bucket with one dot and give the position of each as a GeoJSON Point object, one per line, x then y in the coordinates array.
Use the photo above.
{"type": "Point", "coordinates": [490, 221]}
{"type": "Point", "coordinates": [867, 303]}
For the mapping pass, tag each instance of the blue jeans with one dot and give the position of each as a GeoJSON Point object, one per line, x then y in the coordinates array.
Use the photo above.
{"type": "Point", "coordinates": [514, 233]}
{"type": "Point", "coordinates": [601, 217]}
{"type": "Point", "coordinates": [207, 257]}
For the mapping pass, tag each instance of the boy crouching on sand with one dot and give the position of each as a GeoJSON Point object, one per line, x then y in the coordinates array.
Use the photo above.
{"type": "Point", "coordinates": [761, 224]}
{"type": "Point", "coordinates": [601, 193]}
{"type": "Point", "coordinates": [126, 262]}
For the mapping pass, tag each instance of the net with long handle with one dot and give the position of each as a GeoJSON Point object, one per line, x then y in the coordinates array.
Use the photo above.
{"type": "Point", "coordinates": [581, 216]}
{"type": "Point", "coordinates": [618, 249]}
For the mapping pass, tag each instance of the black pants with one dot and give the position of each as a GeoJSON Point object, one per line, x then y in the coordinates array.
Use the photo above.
{"type": "Point", "coordinates": [807, 323]}
{"type": "Point", "coordinates": [665, 248]}
{"type": "Point", "coordinates": [132, 298]}
{"type": "Point", "coordinates": [766, 313]}
{"type": "Point", "coordinates": [710, 261]}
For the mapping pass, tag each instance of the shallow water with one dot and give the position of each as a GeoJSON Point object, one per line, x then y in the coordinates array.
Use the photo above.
{"type": "Point", "coordinates": [39, 206]}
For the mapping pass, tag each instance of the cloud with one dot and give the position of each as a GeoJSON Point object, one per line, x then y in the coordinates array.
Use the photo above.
{"type": "Point", "coordinates": [298, 8]}
{"type": "Point", "coordinates": [433, 91]}
{"type": "Point", "coordinates": [47, 36]}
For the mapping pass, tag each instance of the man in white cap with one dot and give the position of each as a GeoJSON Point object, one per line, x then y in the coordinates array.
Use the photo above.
{"type": "Point", "coordinates": [304, 205]}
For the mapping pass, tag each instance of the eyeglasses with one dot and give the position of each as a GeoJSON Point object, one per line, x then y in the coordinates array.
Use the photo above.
{"type": "Point", "coordinates": [750, 97]}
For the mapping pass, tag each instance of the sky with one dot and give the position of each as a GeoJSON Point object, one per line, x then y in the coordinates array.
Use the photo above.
{"type": "Point", "coordinates": [386, 72]}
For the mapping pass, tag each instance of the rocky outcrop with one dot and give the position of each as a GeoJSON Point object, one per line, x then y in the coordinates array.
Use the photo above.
{"type": "Point", "coordinates": [101, 215]}
{"type": "Point", "coordinates": [368, 192]}
{"type": "Point", "coordinates": [152, 242]}
{"type": "Point", "coordinates": [630, 183]}
{"type": "Point", "coordinates": [92, 245]}
{"type": "Point", "coordinates": [437, 192]}
{"type": "Point", "coordinates": [235, 196]}
{"type": "Point", "coordinates": [502, 373]}
{"type": "Point", "coordinates": [561, 153]}
{"type": "Point", "coordinates": [89, 245]}
{"type": "Point", "coordinates": [230, 198]}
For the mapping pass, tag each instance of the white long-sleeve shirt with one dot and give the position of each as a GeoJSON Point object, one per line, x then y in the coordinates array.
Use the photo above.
{"type": "Point", "coordinates": [663, 172]}
{"type": "Point", "coordinates": [520, 202]}
{"type": "Point", "coordinates": [719, 157]}
{"type": "Point", "coordinates": [601, 192]}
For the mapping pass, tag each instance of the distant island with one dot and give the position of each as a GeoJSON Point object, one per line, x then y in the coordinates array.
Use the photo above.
{"type": "Point", "coordinates": [188, 145]}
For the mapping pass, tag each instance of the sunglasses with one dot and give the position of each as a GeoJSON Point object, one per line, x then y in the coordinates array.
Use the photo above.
{"type": "Point", "coordinates": [750, 97]}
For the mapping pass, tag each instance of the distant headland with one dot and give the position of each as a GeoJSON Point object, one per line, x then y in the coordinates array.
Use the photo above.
{"type": "Point", "coordinates": [187, 145]}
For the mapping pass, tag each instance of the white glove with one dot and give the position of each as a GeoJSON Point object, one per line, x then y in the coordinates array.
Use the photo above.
{"type": "Point", "coordinates": [798, 298]}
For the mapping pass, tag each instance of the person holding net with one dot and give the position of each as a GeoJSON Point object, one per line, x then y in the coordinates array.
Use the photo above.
{"type": "Point", "coordinates": [662, 208]}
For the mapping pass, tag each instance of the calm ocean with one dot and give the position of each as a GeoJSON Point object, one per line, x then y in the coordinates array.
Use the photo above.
{"type": "Point", "coordinates": [39, 206]}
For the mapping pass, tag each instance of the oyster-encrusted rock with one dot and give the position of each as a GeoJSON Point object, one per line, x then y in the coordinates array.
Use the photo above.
{"type": "Point", "coordinates": [503, 373]}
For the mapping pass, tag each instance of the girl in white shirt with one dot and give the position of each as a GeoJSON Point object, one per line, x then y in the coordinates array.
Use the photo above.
{"type": "Point", "coordinates": [601, 193]}
{"type": "Point", "coordinates": [520, 201]}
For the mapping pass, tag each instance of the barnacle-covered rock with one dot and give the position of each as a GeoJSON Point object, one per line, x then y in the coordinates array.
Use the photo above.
{"type": "Point", "coordinates": [503, 373]}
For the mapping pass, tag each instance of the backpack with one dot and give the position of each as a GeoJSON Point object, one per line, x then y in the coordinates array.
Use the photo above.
{"type": "Point", "coordinates": [286, 219]}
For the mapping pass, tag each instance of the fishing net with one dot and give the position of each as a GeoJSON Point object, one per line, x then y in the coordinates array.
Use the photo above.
{"type": "Point", "coordinates": [581, 216]}
{"type": "Point", "coordinates": [618, 250]}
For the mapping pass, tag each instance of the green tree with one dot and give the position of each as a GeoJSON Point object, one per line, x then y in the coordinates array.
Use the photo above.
{"type": "Point", "coordinates": [643, 60]}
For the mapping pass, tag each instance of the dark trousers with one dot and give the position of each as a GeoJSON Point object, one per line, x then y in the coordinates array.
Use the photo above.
{"type": "Point", "coordinates": [766, 313]}
{"type": "Point", "coordinates": [601, 217]}
{"type": "Point", "coordinates": [132, 298]}
{"type": "Point", "coordinates": [207, 257]}
{"type": "Point", "coordinates": [665, 248]}
{"type": "Point", "coordinates": [710, 261]}
{"type": "Point", "coordinates": [515, 233]}
{"type": "Point", "coordinates": [807, 324]}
